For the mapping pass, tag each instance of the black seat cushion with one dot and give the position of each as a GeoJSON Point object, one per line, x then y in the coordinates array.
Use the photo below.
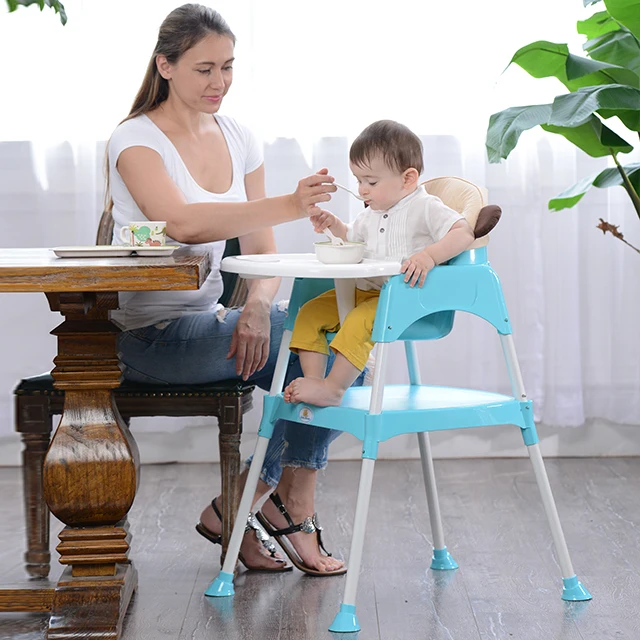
{"type": "Point", "coordinates": [44, 384]}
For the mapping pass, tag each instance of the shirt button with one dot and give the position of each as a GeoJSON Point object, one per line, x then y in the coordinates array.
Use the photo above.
{"type": "Point", "coordinates": [381, 230]}
{"type": "Point", "coordinates": [386, 215]}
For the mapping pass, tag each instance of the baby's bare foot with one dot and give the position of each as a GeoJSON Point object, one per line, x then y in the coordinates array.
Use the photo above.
{"type": "Point", "coordinates": [287, 393]}
{"type": "Point", "coordinates": [315, 391]}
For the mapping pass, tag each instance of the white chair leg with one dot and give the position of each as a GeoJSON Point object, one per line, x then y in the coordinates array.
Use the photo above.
{"type": "Point", "coordinates": [572, 588]}
{"type": "Point", "coordinates": [346, 620]}
{"type": "Point", "coordinates": [441, 559]}
{"type": "Point", "coordinates": [223, 584]}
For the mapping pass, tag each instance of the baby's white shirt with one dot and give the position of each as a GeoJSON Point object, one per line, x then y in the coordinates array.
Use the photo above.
{"type": "Point", "coordinates": [417, 221]}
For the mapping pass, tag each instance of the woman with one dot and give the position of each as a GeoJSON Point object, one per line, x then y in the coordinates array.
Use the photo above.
{"type": "Point", "coordinates": [173, 159]}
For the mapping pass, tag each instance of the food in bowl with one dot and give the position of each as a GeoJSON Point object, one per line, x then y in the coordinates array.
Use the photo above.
{"type": "Point", "coordinates": [347, 253]}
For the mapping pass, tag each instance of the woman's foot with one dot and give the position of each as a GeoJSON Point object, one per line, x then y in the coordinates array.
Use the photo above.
{"type": "Point", "coordinates": [305, 544]}
{"type": "Point", "coordinates": [318, 391]}
{"type": "Point", "coordinates": [254, 555]}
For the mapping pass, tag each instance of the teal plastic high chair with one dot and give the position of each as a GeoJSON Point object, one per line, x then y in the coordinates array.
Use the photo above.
{"type": "Point", "coordinates": [375, 414]}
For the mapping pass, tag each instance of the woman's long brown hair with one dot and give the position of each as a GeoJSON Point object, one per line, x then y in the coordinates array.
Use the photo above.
{"type": "Point", "coordinates": [182, 29]}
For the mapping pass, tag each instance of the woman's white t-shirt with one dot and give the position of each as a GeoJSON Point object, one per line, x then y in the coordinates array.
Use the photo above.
{"type": "Point", "coordinates": [143, 308]}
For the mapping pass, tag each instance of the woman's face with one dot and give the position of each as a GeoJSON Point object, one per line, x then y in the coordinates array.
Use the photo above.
{"type": "Point", "coordinates": [202, 75]}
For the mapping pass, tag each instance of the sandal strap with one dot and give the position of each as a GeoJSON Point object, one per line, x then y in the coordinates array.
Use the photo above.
{"type": "Point", "coordinates": [275, 498]}
{"type": "Point", "coordinates": [253, 525]}
{"type": "Point", "coordinates": [310, 524]}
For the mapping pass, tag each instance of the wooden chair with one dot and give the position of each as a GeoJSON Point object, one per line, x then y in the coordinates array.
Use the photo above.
{"type": "Point", "coordinates": [37, 401]}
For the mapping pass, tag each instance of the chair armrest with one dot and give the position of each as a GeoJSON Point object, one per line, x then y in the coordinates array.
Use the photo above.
{"type": "Point", "coordinates": [467, 283]}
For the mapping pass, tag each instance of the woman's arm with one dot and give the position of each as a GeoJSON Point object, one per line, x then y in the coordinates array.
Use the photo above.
{"type": "Point", "coordinates": [159, 198]}
{"type": "Point", "coordinates": [261, 292]}
{"type": "Point", "coordinates": [250, 342]}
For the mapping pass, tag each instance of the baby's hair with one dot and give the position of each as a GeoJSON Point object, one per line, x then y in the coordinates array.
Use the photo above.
{"type": "Point", "coordinates": [399, 147]}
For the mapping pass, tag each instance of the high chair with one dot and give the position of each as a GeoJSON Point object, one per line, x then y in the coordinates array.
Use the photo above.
{"type": "Point", "coordinates": [375, 414]}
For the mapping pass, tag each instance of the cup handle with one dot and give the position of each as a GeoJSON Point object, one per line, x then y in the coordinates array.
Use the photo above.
{"type": "Point", "coordinates": [125, 235]}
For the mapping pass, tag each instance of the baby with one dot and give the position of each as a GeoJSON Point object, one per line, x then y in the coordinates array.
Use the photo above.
{"type": "Point", "coordinates": [401, 220]}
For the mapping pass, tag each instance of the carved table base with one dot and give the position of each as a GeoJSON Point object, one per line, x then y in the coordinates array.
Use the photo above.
{"type": "Point", "coordinates": [92, 607]}
{"type": "Point", "coordinates": [90, 478]}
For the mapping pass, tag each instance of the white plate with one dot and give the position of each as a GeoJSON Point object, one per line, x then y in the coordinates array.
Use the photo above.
{"type": "Point", "coordinates": [166, 250]}
{"type": "Point", "coordinates": [93, 251]}
{"type": "Point", "coordinates": [112, 251]}
{"type": "Point", "coordinates": [259, 258]}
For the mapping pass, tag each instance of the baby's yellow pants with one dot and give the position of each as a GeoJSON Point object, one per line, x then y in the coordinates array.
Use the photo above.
{"type": "Point", "coordinates": [319, 316]}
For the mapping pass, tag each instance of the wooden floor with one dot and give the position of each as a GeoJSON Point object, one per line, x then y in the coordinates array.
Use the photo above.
{"type": "Point", "coordinates": [508, 585]}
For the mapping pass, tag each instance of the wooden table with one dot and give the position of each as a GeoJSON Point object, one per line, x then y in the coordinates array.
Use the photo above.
{"type": "Point", "coordinates": [90, 473]}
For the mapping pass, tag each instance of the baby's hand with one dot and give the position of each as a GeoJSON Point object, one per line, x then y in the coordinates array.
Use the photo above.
{"type": "Point", "coordinates": [416, 267]}
{"type": "Point", "coordinates": [322, 220]}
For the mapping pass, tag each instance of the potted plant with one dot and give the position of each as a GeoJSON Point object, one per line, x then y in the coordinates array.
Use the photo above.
{"type": "Point", "coordinates": [58, 7]}
{"type": "Point", "coordinates": [602, 85]}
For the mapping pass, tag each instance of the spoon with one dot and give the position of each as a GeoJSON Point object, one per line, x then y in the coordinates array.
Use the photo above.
{"type": "Point", "coordinates": [335, 240]}
{"type": "Point", "coordinates": [355, 195]}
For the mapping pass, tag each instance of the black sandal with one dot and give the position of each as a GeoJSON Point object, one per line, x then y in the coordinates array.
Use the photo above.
{"type": "Point", "coordinates": [261, 534]}
{"type": "Point", "coordinates": [309, 525]}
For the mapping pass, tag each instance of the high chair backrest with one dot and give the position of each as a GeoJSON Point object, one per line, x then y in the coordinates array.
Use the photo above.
{"type": "Point", "coordinates": [462, 196]}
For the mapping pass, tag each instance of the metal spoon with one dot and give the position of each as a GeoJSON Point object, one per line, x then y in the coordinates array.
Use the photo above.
{"type": "Point", "coordinates": [355, 195]}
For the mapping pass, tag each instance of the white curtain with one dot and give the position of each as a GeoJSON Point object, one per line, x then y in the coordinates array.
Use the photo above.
{"type": "Point", "coordinates": [308, 78]}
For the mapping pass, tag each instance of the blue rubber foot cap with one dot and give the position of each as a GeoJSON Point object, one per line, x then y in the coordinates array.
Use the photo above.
{"type": "Point", "coordinates": [573, 591]}
{"type": "Point", "coordinates": [442, 560]}
{"type": "Point", "coordinates": [346, 620]}
{"type": "Point", "coordinates": [222, 586]}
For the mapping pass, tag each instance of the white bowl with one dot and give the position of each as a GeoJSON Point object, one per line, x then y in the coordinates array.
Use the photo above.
{"type": "Point", "coordinates": [348, 253]}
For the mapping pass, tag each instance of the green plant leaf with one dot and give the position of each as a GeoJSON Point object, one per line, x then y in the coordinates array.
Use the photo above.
{"type": "Point", "coordinates": [597, 25]}
{"type": "Point", "coordinates": [619, 47]}
{"type": "Point", "coordinates": [574, 109]}
{"type": "Point", "coordinates": [588, 2]}
{"type": "Point", "coordinates": [608, 178]}
{"type": "Point", "coordinates": [544, 59]}
{"type": "Point", "coordinates": [505, 128]}
{"type": "Point", "coordinates": [57, 6]}
{"type": "Point", "coordinates": [593, 137]}
{"type": "Point", "coordinates": [627, 12]}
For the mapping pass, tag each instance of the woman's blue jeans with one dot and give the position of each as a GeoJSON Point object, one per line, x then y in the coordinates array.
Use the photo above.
{"type": "Point", "coordinates": [193, 349]}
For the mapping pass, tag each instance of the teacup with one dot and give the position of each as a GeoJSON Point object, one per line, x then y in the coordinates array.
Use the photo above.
{"type": "Point", "coordinates": [144, 234]}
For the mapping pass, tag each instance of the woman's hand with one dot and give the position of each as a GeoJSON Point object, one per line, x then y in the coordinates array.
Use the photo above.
{"type": "Point", "coordinates": [250, 340]}
{"type": "Point", "coordinates": [417, 266]}
{"type": "Point", "coordinates": [312, 190]}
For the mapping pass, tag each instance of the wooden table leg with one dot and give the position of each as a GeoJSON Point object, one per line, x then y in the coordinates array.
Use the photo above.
{"type": "Point", "coordinates": [90, 474]}
{"type": "Point", "coordinates": [230, 430]}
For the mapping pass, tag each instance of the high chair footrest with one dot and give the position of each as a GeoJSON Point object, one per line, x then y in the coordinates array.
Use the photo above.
{"type": "Point", "coordinates": [408, 409]}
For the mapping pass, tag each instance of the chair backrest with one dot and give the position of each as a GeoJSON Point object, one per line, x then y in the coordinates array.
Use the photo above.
{"type": "Point", "coordinates": [234, 292]}
{"type": "Point", "coordinates": [462, 196]}
{"type": "Point", "coordinates": [105, 228]}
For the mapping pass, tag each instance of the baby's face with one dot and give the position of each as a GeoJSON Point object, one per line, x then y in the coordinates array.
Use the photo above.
{"type": "Point", "coordinates": [380, 186]}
